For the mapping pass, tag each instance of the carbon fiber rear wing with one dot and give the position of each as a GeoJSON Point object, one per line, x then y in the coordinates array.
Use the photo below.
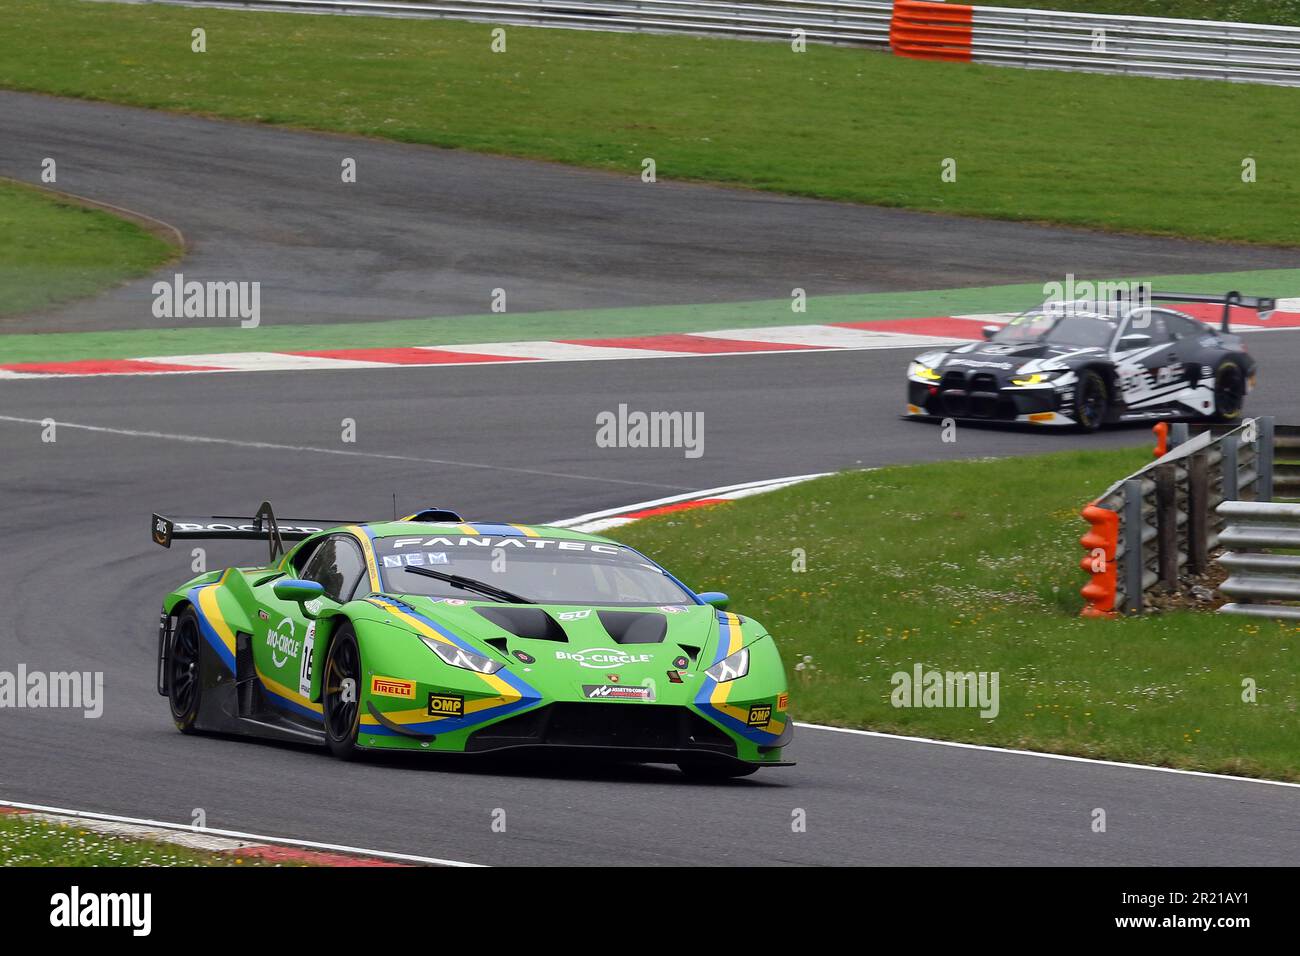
{"type": "Point", "coordinates": [262, 525]}
{"type": "Point", "coordinates": [1263, 306]}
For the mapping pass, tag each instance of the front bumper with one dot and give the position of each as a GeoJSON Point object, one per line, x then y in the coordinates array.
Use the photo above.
{"type": "Point", "coordinates": [980, 398]}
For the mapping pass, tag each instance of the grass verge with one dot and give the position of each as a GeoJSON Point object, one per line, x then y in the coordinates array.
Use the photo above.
{"type": "Point", "coordinates": [25, 841]}
{"type": "Point", "coordinates": [833, 122]}
{"type": "Point", "coordinates": [53, 250]}
{"type": "Point", "coordinates": [582, 324]}
{"type": "Point", "coordinates": [973, 566]}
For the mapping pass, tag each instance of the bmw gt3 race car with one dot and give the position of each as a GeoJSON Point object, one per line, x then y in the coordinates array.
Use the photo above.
{"type": "Point", "coordinates": [1090, 364]}
{"type": "Point", "coordinates": [432, 634]}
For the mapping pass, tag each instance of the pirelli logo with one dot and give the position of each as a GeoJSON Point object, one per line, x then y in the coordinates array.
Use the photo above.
{"type": "Point", "coordinates": [760, 715]}
{"type": "Point", "coordinates": [392, 687]}
{"type": "Point", "coordinates": [446, 705]}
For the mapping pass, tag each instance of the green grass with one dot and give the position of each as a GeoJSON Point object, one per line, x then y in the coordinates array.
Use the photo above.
{"type": "Point", "coordinates": [1112, 152]}
{"type": "Point", "coordinates": [1283, 12]}
{"type": "Point", "coordinates": [53, 251]}
{"type": "Point", "coordinates": [28, 842]}
{"type": "Point", "coordinates": [973, 566]}
{"type": "Point", "coordinates": [647, 320]}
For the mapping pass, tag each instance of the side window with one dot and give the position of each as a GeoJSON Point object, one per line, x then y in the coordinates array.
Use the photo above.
{"type": "Point", "coordinates": [302, 556]}
{"type": "Point", "coordinates": [1186, 328]}
{"type": "Point", "coordinates": [1149, 322]}
{"type": "Point", "coordinates": [338, 566]}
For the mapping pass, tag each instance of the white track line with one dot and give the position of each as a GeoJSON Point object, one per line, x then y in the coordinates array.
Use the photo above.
{"type": "Point", "coordinates": [1049, 756]}
{"type": "Point", "coordinates": [273, 446]}
{"type": "Point", "coordinates": [689, 496]}
{"type": "Point", "coordinates": [239, 835]}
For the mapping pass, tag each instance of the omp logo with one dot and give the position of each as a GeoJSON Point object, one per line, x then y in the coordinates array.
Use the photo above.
{"type": "Point", "coordinates": [602, 657]}
{"type": "Point", "coordinates": [392, 687]}
{"type": "Point", "coordinates": [760, 715]}
{"type": "Point", "coordinates": [282, 641]}
{"type": "Point", "coordinates": [446, 705]}
{"type": "Point", "coordinates": [75, 909]}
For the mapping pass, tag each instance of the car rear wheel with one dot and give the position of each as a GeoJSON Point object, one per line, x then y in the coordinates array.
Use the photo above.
{"type": "Point", "coordinates": [716, 770]}
{"type": "Point", "coordinates": [185, 671]}
{"type": "Point", "coordinates": [1229, 391]}
{"type": "Point", "coordinates": [1091, 401]}
{"type": "Point", "coordinates": [341, 697]}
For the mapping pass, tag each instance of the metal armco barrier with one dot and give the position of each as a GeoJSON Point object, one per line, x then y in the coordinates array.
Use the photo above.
{"type": "Point", "coordinates": [1165, 517]}
{"type": "Point", "coordinates": [1259, 578]}
{"type": "Point", "coordinates": [1033, 39]}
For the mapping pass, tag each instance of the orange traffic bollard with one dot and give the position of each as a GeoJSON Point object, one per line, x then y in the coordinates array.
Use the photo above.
{"type": "Point", "coordinates": [1162, 439]}
{"type": "Point", "coordinates": [1101, 542]}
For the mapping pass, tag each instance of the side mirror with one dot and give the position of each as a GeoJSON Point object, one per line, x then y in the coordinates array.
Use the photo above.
{"type": "Point", "coordinates": [1134, 341]}
{"type": "Point", "coordinates": [989, 331]}
{"type": "Point", "coordinates": [295, 589]}
{"type": "Point", "coordinates": [716, 598]}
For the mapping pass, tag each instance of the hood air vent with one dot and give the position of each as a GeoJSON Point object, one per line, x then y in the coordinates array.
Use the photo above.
{"type": "Point", "coordinates": [634, 627]}
{"type": "Point", "coordinates": [530, 622]}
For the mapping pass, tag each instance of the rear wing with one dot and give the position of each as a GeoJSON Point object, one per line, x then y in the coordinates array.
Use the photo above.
{"type": "Point", "coordinates": [262, 525]}
{"type": "Point", "coordinates": [1263, 306]}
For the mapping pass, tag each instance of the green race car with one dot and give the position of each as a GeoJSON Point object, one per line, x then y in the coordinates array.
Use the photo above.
{"type": "Point", "coordinates": [434, 634]}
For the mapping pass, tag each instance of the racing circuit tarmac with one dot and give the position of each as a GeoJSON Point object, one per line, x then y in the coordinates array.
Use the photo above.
{"type": "Point", "coordinates": [83, 582]}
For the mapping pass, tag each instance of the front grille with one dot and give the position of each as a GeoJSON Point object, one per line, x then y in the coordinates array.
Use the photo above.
{"type": "Point", "coordinates": [605, 725]}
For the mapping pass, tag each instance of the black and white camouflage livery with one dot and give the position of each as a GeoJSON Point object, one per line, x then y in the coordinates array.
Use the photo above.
{"type": "Point", "coordinates": [1088, 364]}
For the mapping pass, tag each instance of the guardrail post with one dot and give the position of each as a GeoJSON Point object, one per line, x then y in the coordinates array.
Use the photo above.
{"type": "Point", "coordinates": [1179, 432]}
{"type": "Point", "coordinates": [1167, 525]}
{"type": "Point", "coordinates": [1134, 559]}
{"type": "Point", "coordinates": [1228, 446]}
{"type": "Point", "coordinates": [1264, 459]}
{"type": "Point", "coordinates": [1198, 513]}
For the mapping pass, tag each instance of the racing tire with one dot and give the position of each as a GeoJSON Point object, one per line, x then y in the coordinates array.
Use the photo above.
{"type": "Point", "coordinates": [185, 671]}
{"type": "Point", "coordinates": [715, 770]}
{"type": "Point", "coordinates": [1091, 401]}
{"type": "Point", "coordinates": [342, 716]}
{"type": "Point", "coordinates": [1229, 391]}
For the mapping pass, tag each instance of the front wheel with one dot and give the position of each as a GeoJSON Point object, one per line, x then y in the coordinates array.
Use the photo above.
{"type": "Point", "coordinates": [341, 698]}
{"type": "Point", "coordinates": [185, 671]}
{"type": "Point", "coordinates": [1091, 401]}
{"type": "Point", "coordinates": [1229, 391]}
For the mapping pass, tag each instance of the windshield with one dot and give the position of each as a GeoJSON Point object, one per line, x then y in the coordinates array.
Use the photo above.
{"type": "Point", "coordinates": [544, 570]}
{"type": "Point", "coordinates": [1076, 329]}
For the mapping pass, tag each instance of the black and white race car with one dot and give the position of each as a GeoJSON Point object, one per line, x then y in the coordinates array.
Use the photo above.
{"type": "Point", "coordinates": [1087, 364]}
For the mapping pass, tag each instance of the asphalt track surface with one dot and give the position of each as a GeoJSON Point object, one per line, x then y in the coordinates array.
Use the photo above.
{"type": "Point", "coordinates": [432, 232]}
{"type": "Point", "coordinates": [83, 583]}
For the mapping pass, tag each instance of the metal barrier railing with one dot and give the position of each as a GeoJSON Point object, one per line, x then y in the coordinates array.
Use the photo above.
{"type": "Point", "coordinates": [1167, 520]}
{"type": "Point", "coordinates": [1035, 39]}
{"type": "Point", "coordinates": [1258, 576]}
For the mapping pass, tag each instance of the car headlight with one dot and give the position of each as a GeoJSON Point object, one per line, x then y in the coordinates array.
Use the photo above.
{"type": "Point", "coordinates": [1038, 378]}
{"type": "Point", "coordinates": [922, 371]}
{"type": "Point", "coordinates": [459, 657]}
{"type": "Point", "coordinates": [730, 668]}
